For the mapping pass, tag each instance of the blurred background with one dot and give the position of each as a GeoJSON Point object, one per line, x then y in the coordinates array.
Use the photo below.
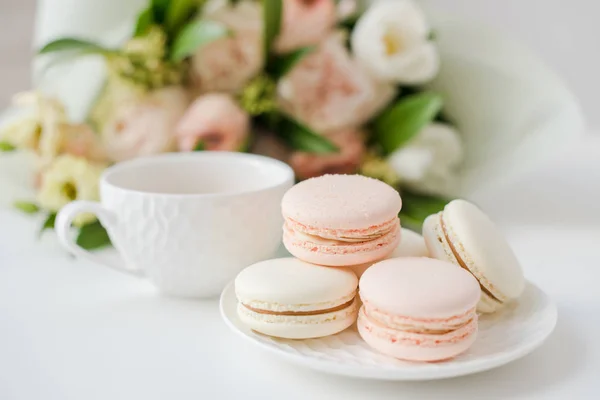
{"type": "Point", "coordinates": [560, 32]}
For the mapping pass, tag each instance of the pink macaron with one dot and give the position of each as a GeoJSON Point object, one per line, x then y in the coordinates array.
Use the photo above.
{"type": "Point", "coordinates": [418, 309]}
{"type": "Point", "coordinates": [341, 220]}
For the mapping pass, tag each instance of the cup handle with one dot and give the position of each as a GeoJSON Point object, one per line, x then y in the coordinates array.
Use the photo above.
{"type": "Point", "coordinates": [107, 218]}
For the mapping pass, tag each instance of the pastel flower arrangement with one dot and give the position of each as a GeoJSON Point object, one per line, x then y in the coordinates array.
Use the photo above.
{"type": "Point", "coordinates": [326, 86]}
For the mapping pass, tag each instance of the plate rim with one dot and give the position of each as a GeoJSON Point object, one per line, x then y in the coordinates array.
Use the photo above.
{"type": "Point", "coordinates": [390, 374]}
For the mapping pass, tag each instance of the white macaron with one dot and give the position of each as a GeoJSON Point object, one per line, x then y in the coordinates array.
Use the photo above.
{"type": "Point", "coordinates": [465, 236]}
{"type": "Point", "coordinates": [293, 299]}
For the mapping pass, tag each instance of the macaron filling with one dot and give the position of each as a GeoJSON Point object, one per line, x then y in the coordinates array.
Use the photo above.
{"type": "Point", "coordinates": [341, 241]}
{"type": "Point", "coordinates": [416, 338]}
{"type": "Point", "coordinates": [300, 313]}
{"type": "Point", "coordinates": [463, 264]}
{"type": "Point", "coordinates": [343, 235]}
{"type": "Point", "coordinates": [420, 325]}
{"type": "Point", "coordinates": [336, 314]}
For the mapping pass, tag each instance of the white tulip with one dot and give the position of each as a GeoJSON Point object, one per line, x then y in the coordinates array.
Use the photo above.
{"type": "Point", "coordinates": [391, 40]}
{"type": "Point", "coordinates": [428, 162]}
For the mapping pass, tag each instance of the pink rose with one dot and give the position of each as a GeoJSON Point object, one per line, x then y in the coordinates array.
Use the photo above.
{"type": "Point", "coordinates": [305, 23]}
{"type": "Point", "coordinates": [81, 141]}
{"type": "Point", "coordinates": [329, 91]}
{"type": "Point", "coordinates": [144, 125]}
{"type": "Point", "coordinates": [347, 161]}
{"type": "Point", "coordinates": [226, 65]}
{"type": "Point", "coordinates": [216, 121]}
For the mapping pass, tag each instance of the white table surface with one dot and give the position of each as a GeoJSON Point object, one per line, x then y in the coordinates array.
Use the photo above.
{"type": "Point", "coordinates": [73, 330]}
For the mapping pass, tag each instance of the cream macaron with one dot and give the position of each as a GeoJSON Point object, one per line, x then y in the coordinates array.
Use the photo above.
{"type": "Point", "coordinates": [465, 236]}
{"type": "Point", "coordinates": [341, 220]}
{"type": "Point", "coordinates": [289, 298]}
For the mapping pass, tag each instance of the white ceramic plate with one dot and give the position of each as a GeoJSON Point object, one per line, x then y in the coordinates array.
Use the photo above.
{"type": "Point", "coordinates": [503, 337]}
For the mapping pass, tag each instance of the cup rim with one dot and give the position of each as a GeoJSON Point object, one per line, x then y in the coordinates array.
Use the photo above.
{"type": "Point", "coordinates": [287, 174]}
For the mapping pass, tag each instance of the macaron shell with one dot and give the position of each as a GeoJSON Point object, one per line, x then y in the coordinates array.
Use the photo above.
{"type": "Point", "coordinates": [439, 248]}
{"type": "Point", "coordinates": [289, 284]}
{"type": "Point", "coordinates": [419, 287]}
{"type": "Point", "coordinates": [483, 248]}
{"type": "Point", "coordinates": [341, 202]}
{"type": "Point", "coordinates": [413, 346]}
{"type": "Point", "coordinates": [341, 256]}
{"type": "Point", "coordinates": [299, 327]}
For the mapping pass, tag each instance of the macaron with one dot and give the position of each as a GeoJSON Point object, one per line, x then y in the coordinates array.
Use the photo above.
{"type": "Point", "coordinates": [467, 237]}
{"type": "Point", "coordinates": [418, 309]}
{"type": "Point", "coordinates": [341, 220]}
{"type": "Point", "coordinates": [289, 298]}
{"type": "Point", "coordinates": [411, 245]}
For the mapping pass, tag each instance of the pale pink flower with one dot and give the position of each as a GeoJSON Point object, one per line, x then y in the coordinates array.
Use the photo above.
{"type": "Point", "coordinates": [216, 121]}
{"type": "Point", "coordinates": [226, 65]}
{"type": "Point", "coordinates": [346, 161]}
{"type": "Point", "coordinates": [144, 125]}
{"type": "Point", "coordinates": [329, 91]}
{"type": "Point", "coordinates": [81, 141]}
{"type": "Point", "coordinates": [305, 23]}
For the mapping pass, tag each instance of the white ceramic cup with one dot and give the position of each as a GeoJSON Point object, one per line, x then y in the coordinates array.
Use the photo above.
{"type": "Point", "coordinates": [189, 222]}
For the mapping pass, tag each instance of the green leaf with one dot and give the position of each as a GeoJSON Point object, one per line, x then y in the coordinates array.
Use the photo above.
{"type": "Point", "coordinates": [200, 146]}
{"type": "Point", "coordinates": [144, 21]}
{"type": "Point", "coordinates": [302, 138]}
{"type": "Point", "coordinates": [403, 120]}
{"type": "Point", "coordinates": [272, 10]}
{"type": "Point", "coordinates": [195, 35]}
{"type": "Point", "coordinates": [417, 207]}
{"type": "Point", "coordinates": [48, 223]}
{"type": "Point", "coordinates": [93, 236]}
{"type": "Point", "coordinates": [74, 44]}
{"type": "Point", "coordinates": [350, 22]}
{"type": "Point", "coordinates": [432, 35]}
{"type": "Point", "coordinates": [26, 206]}
{"type": "Point", "coordinates": [159, 10]}
{"type": "Point", "coordinates": [6, 147]}
{"type": "Point", "coordinates": [409, 222]}
{"type": "Point", "coordinates": [279, 66]}
{"type": "Point", "coordinates": [178, 13]}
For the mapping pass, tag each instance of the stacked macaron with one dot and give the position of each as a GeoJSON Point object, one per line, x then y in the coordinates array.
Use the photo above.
{"type": "Point", "coordinates": [341, 220]}
{"type": "Point", "coordinates": [331, 222]}
{"type": "Point", "coordinates": [414, 308]}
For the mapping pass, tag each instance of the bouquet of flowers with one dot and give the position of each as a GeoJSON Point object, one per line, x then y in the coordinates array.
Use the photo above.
{"type": "Point", "coordinates": [326, 86]}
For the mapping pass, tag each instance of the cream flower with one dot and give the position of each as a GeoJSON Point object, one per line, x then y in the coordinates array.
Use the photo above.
{"type": "Point", "coordinates": [66, 179]}
{"type": "Point", "coordinates": [428, 162]}
{"type": "Point", "coordinates": [216, 121]}
{"type": "Point", "coordinates": [144, 125]}
{"type": "Point", "coordinates": [329, 92]}
{"type": "Point", "coordinates": [40, 130]}
{"type": "Point", "coordinates": [23, 133]}
{"type": "Point", "coordinates": [391, 41]}
{"type": "Point", "coordinates": [226, 65]}
{"type": "Point", "coordinates": [305, 23]}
